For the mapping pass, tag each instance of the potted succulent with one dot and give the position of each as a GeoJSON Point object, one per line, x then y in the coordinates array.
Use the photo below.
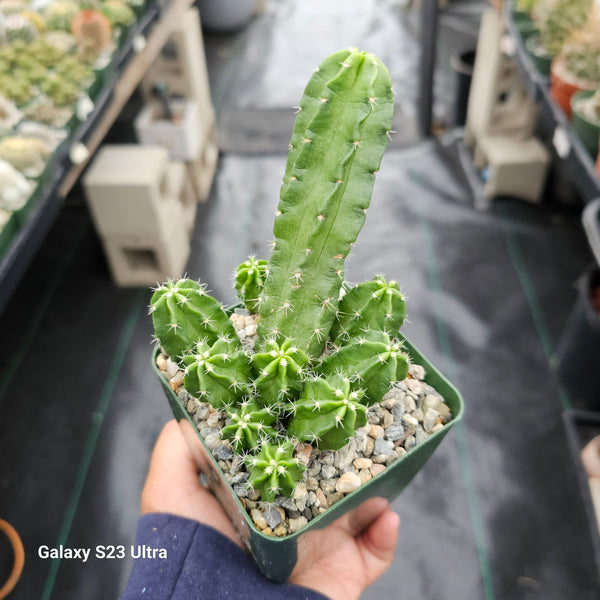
{"type": "Point", "coordinates": [555, 19]}
{"type": "Point", "coordinates": [305, 400]}
{"type": "Point", "coordinates": [577, 67]}
{"type": "Point", "coordinates": [586, 119]}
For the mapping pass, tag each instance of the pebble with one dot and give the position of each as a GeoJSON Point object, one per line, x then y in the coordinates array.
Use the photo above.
{"type": "Point", "coordinates": [437, 427]}
{"type": "Point", "coordinates": [272, 516]}
{"type": "Point", "coordinates": [370, 447]}
{"type": "Point", "coordinates": [286, 503]}
{"type": "Point", "coordinates": [314, 469]}
{"type": "Point", "coordinates": [410, 442]}
{"type": "Point", "coordinates": [192, 406]}
{"type": "Point", "coordinates": [328, 485]}
{"type": "Point", "coordinates": [212, 440]}
{"type": "Point", "coordinates": [394, 432]}
{"type": "Point", "coordinates": [410, 420]}
{"type": "Point", "coordinates": [303, 452]}
{"type": "Point", "coordinates": [375, 414]}
{"type": "Point", "coordinates": [348, 482]}
{"type": "Point", "coordinates": [280, 530]}
{"type": "Point", "coordinates": [321, 498]}
{"type": "Point", "coordinates": [376, 431]}
{"type": "Point", "coordinates": [203, 410]}
{"type": "Point", "coordinates": [388, 419]}
{"type": "Point", "coordinates": [172, 368]}
{"type": "Point", "coordinates": [241, 489]}
{"type": "Point", "coordinates": [420, 435]}
{"type": "Point", "coordinates": [161, 362]}
{"type": "Point", "coordinates": [239, 478]}
{"type": "Point", "coordinates": [376, 469]}
{"type": "Point", "coordinates": [311, 498]}
{"type": "Point", "coordinates": [311, 484]}
{"type": "Point", "coordinates": [383, 447]}
{"type": "Point", "coordinates": [214, 419]}
{"type": "Point", "coordinates": [391, 459]}
{"type": "Point", "coordinates": [345, 455]}
{"type": "Point", "coordinates": [250, 329]}
{"type": "Point", "coordinates": [415, 386]}
{"type": "Point", "coordinates": [334, 497]}
{"type": "Point", "coordinates": [418, 414]}
{"type": "Point", "coordinates": [430, 401]}
{"type": "Point", "coordinates": [430, 419]}
{"type": "Point", "coordinates": [328, 471]}
{"type": "Point", "coordinates": [297, 524]}
{"type": "Point", "coordinates": [364, 475]}
{"type": "Point", "coordinates": [362, 463]}
{"type": "Point", "coordinates": [389, 400]}
{"type": "Point", "coordinates": [223, 452]}
{"type": "Point", "coordinates": [177, 380]}
{"type": "Point", "coordinates": [400, 451]}
{"type": "Point", "coordinates": [416, 372]}
{"type": "Point", "coordinates": [326, 458]}
{"type": "Point", "coordinates": [258, 518]}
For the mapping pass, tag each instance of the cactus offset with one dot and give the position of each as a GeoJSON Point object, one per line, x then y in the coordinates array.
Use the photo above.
{"type": "Point", "coordinates": [280, 369]}
{"type": "Point", "coordinates": [219, 373]}
{"type": "Point", "coordinates": [373, 361]}
{"type": "Point", "coordinates": [336, 148]}
{"type": "Point", "coordinates": [183, 313]}
{"type": "Point", "coordinates": [250, 280]}
{"type": "Point", "coordinates": [374, 304]}
{"type": "Point", "coordinates": [274, 470]}
{"type": "Point", "coordinates": [250, 425]}
{"type": "Point", "coordinates": [328, 412]}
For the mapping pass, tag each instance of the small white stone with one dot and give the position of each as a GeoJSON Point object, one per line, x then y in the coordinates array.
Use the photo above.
{"type": "Point", "coordinates": [258, 518]}
{"type": "Point", "coordinates": [250, 329]}
{"type": "Point", "coordinates": [161, 362]}
{"type": "Point", "coordinates": [429, 420]}
{"type": "Point", "coordinates": [409, 420]}
{"type": "Point", "coordinates": [430, 401]}
{"type": "Point", "coordinates": [437, 427]}
{"type": "Point", "coordinates": [415, 386]}
{"type": "Point", "coordinates": [416, 372]}
{"type": "Point", "coordinates": [172, 368]}
{"type": "Point", "coordinates": [362, 463]}
{"type": "Point", "coordinates": [348, 482]}
{"type": "Point", "coordinates": [297, 524]}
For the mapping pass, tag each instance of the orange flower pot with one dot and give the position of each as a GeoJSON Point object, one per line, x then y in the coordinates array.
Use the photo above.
{"type": "Point", "coordinates": [563, 85]}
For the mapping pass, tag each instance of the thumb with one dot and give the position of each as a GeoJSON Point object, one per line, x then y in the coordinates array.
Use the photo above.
{"type": "Point", "coordinates": [377, 544]}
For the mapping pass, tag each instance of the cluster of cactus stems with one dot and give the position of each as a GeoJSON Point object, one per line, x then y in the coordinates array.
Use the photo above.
{"type": "Point", "coordinates": [325, 350]}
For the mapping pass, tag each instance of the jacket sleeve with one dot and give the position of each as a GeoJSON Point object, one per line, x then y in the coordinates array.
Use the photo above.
{"type": "Point", "coordinates": [200, 563]}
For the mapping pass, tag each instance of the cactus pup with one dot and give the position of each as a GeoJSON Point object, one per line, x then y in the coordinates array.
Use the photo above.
{"type": "Point", "coordinates": [326, 350]}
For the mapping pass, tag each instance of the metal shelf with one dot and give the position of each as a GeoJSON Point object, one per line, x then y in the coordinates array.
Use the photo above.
{"type": "Point", "coordinates": [552, 119]}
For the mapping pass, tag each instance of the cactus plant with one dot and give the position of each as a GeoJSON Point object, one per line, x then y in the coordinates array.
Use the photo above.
{"type": "Point", "coordinates": [250, 425]}
{"type": "Point", "coordinates": [58, 15]}
{"type": "Point", "coordinates": [219, 373]}
{"type": "Point", "coordinates": [274, 470]}
{"type": "Point", "coordinates": [26, 154]}
{"type": "Point", "coordinates": [325, 351]}
{"type": "Point", "coordinates": [250, 280]}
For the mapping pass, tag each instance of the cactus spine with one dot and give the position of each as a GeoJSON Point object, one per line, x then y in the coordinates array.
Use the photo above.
{"type": "Point", "coordinates": [338, 141]}
{"type": "Point", "coordinates": [250, 425]}
{"type": "Point", "coordinates": [250, 280]}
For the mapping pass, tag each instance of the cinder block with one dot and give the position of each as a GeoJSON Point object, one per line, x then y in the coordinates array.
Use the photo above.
{"type": "Point", "coordinates": [126, 191]}
{"type": "Point", "coordinates": [202, 170]}
{"type": "Point", "coordinates": [179, 187]}
{"type": "Point", "coordinates": [182, 66]}
{"type": "Point", "coordinates": [516, 167]}
{"type": "Point", "coordinates": [137, 260]}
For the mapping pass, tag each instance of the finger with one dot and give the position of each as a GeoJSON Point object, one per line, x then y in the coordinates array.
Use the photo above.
{"type": "Point", "coordinates": [365, 514]}
{"type": "Point", "coordinates": [377, 544]}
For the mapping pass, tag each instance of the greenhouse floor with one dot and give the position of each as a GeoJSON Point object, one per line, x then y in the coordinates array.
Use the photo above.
{"type": "Point", "coordinates": [496, 513]}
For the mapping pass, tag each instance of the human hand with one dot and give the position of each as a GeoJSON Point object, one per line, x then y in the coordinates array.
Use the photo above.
{"type": "Point", "coordinates": [339, 561]}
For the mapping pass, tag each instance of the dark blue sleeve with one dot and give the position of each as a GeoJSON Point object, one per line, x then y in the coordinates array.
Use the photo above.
{"type": "Point", "coordinates": [200, 563]}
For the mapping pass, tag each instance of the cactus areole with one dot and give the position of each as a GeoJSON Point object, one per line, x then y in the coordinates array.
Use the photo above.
{"type": "Point", "coordinates": [324, 352]}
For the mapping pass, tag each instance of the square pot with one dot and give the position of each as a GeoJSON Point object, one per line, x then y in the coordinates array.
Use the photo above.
{"type": "Point", "coordinates": [276, 557]}
{"type": "Point", "coordinates": [182, 138]}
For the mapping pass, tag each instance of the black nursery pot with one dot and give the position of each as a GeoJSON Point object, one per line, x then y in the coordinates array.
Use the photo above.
{"type": "Point", "coordinates": [276, 557]}
{"type": "Point", "coordinates": [578, 351]}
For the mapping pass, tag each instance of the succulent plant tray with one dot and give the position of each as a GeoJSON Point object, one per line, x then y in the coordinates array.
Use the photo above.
{"type": "Point", "coordinates": [53, 64]}
{"type": "Point", "coordinates": [306, 399]}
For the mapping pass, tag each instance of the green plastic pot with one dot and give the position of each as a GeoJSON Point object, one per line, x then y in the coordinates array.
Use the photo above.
{"type": "Point", "coordinates": [588, 131]}
{"type": "Point", "coordinates": [276, 557]}
{"type": "Point", "coordinates": [542, 62]}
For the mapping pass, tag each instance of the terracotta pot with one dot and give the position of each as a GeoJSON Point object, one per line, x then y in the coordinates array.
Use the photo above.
{"type": "Point", "coordinates": [563, 85]}
{"type": "Point", "coordinates": [90, 26]}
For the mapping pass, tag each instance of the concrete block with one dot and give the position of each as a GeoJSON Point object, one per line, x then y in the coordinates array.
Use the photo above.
{"type": "Point", "coordinates": [201, 170]}
{"type": "Point", "coordinates": [126, 190]}
{"type": "Point", "coordinates": [138, 260]}
{"type": "Point", "coordinates": [179, 187]}
{"type": "Point", "coordinates": [516, 167]}
{"type": "Point", "coordinates": [182, 137]}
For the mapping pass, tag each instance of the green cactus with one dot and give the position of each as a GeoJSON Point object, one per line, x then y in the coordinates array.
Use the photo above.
{"type": "Point", "coordinates": [328, 412]}
{"type": "Point", "coordinates": [183, 313]}
{"type": "Point", "coordinates": [219, 373]}
{"type": "Point", "coordinates": [250, 425]}
{"type": "Point", "coordinates": [59, 14]}
{"type": "Point", "coordinates": [322, 357]}
{"type": "Point", "coordinates": [373, 361]}
{"type": "Point", "coordinates": [119, 13]}
{"type": "Point", "coordinates": [280, 370]}
{"type": "Point", "coordinates": [249, 282]}
{"type": "Point", "coordinates": [374, 304]}
{"type": "Point", "coordinates": [336, 148]}
{"type": "Point", "coordinates": [274, 470]}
